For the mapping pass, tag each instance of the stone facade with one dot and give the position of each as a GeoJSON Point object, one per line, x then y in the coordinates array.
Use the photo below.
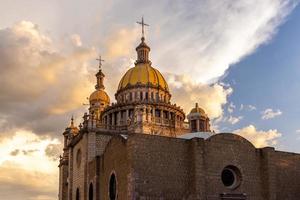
{"type": "Point", "coordinates": [157, 167]}
{"type": "Point", "coordinates": [141, 147]}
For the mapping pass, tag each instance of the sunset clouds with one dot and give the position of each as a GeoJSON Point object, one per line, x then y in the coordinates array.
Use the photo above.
{"type": "Point", "coordinates": [25, 162]}
{"type": "Point", "coordinates": [259, 138]}
{"type": "Point", "coordinates": [47, 67]}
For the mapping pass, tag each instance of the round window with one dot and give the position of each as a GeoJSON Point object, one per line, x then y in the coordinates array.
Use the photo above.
{"type": "Point", "coordinates": [231, 177]}
{"type": "Point", "coordinates": [112, 187]}
{"type": "Point", "coordinates": [78, 157]}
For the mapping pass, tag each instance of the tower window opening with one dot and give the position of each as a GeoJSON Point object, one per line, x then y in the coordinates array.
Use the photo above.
{"type": "Point", "coordinates": [141, 95]}
{"type": "Point", "coordinates": [146, 95]}
{"type": "Point", "coordinates": [166, 116]}
{"type": "Point", "coordinates": [157, 97]}
{"type": "Point", "coordinates": [194, 125]}
{"type": "Point", "coordinates": [130, 113]}
{"type": "Point", "coordinates": [157, 113]}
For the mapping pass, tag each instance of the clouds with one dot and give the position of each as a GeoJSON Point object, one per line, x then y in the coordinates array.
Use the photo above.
{"type": "Point", "coordinates": [259, 138]}
{"type": "Point", "coordinates": [270, 113]}
{"type": "Point", "coordinates": [212, 35]}
{"type": "Point", "coordinates": [247, 107]}
{"type": "Point", "coordinates": [209, 97]}
{"type": "Point", "coordinates": [24, 160]}
{"type": "Point", "coordinates": [39, 83]}
{"type": "Point", "coordinates": [47, 72]}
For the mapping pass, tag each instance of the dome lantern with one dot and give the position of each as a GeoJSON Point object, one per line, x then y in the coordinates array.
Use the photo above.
{"type": "Point", "coordinates": [100, 76]}
{"type": "Point", "coordinates": [143, 52]}
{"type": "Point", "coordinates": [143, 49]}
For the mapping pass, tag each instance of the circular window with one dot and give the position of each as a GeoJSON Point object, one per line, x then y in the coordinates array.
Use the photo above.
{"type": "Point", "coordinates": [78, 157]}
{"type": "Point", "coordinates": [231, 177]}
{"type": "Point", "coordinates": [112, 187]}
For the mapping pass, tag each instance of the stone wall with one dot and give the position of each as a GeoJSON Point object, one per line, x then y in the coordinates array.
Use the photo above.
{"type": "Point", "coordinates": [287, 178]}
{"type": "Point", "coordinates": [156, 167]}
{"type": "Point", "coordinates": [115, 160]}
{"type": "Point", "coordinates": [223, 150]}
{"type": "Point", "coordinates": [161, 166]}
{"type": "Point", "coordinates": [79, 171]}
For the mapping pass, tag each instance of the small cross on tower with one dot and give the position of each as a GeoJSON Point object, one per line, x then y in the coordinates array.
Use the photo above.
{"type": "Point", "coordinates": [142, 24]}
{"type": "Point", "coordinates": [100, 62]}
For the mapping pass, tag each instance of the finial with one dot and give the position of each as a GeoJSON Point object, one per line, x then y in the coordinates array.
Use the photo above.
{"type": "Point", "coordinates": [100, 75]}
{"type": "Point", "coordinates": [72, 121]}
{"type": "Point", "coordinates": [197, 105]}
{"type": "Point", "coordinates": [143, 24]}
{"type": "Point", "coordinates": [100, 62]}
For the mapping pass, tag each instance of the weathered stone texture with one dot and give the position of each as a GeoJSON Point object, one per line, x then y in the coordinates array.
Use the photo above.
{"type": "Point", "coordinates": [156, 167]}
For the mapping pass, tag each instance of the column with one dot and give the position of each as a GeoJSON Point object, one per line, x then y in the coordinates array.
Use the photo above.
{"type": "Point", "coordinates": [198, 125]}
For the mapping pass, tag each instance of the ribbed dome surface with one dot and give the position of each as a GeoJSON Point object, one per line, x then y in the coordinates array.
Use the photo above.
{"type": "Point", "coordinates": [99, 95]}
{"type": "Point", "coordinates": [197, 109]}
{"type": "Point", "coordinates": [143, 74]}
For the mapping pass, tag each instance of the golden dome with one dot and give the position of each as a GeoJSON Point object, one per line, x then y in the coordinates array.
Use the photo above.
{"type": "Point", "coordinates": [99, 95]}
{"type": "Point", "coordinates": [197, 109]}
{"type": "Point", "coordinates": [143, 74]}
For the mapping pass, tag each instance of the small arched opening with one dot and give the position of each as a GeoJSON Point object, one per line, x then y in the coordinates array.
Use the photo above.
{"type": "Point", "coordinates": [77, 194]}
{"type": "Point", "coordinates": [91, 192]}
{"type": "Point", "coordinates": [112, 187]}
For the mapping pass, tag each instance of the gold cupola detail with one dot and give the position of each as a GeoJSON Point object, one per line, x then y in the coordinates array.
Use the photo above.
{"type": "Point", "coordinates": [143, 52]}
{"type": "Point", "coordinates": [99, 99]}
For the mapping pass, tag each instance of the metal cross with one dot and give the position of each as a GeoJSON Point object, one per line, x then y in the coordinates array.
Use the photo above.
{"type": "Point", "coordinates": [143, 24]}
{"type": "Point", "coordinates": [100, 62]}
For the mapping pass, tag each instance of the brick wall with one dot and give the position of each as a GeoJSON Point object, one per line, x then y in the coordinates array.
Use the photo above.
{"type": "Point", "coordinates": [287, 175]}
{"type": "Point", "coordinates": [160, 165]}
{"type": "Point", "coordinates": [156, 167]}
{"type": "Point", "coordinates": [222, 150]}
{"type": "Point", "coordinates": [114, 160]}
{"type": "Point", "coordinates": [79, 171]}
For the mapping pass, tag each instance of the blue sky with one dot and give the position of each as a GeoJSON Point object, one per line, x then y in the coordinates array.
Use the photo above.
{"type": "Point", "coordinates": [269, 78]}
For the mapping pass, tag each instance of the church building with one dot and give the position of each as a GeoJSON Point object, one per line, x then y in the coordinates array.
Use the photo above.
{"type": "Point", "coordinates": [145, 147]}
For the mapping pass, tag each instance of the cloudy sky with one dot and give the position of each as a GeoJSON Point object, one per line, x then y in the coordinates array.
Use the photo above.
{"type": "Point", "coordinates": [238, 59]}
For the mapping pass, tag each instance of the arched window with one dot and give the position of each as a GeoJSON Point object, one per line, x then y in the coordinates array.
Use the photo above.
{"type": "Point", "coordinates": [112, 187]}
{"type": "Point", "coordinates": [91, 193]}
{"type": "Point", "coordinates": [77, 194]}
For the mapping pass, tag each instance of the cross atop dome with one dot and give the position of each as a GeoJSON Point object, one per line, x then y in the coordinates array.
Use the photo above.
{"type": "Point", "coordinates": [100, 61]}
{"type": "Point", "coordinates": [143, 25]}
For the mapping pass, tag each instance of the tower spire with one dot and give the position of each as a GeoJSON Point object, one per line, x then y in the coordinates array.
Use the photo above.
{"type": "Point", "coordinates": [100, 76]}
